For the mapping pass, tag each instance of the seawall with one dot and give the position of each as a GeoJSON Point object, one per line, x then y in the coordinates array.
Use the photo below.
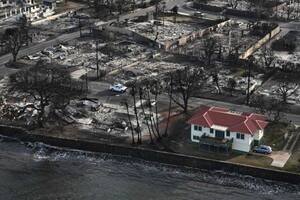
{"type": "Point", "coordinates": [152, 155]}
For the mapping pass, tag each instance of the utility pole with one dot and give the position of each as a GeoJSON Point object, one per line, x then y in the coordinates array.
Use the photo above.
{"type": "Point", "coordinates": [163, 14]}
{"type": "Point", "coordinates": [97, 58]}
{"type": "Point", "coordinates": [86, 80]}
{"type": "Point", "coordinates": [298, 8]}
{"type": "Point", "coordinates": [86, 72]}
{"type": "Point", "coordinates": [249, 63]}
{"type": "Point", "coordinates": [229, 42]}
{"type": "Point", "coordinates": [80, 26]}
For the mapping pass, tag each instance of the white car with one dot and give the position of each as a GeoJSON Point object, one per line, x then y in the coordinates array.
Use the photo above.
{"type": "Point", "coordinates": [36, 56]}
{"type": "Point", "coordinates": [198, 14]}
{"type": "Point", "coordinates": [118, 88]}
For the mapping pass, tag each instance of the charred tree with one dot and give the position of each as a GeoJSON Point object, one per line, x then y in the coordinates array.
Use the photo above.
{"type": "Point", "coordinates": [45, 86]}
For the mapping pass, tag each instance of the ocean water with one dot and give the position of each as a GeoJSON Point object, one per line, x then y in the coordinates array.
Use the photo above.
{"type": "Point", "coordinates": [38, 172]}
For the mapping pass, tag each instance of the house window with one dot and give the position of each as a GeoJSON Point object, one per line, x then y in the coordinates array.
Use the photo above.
{"type": "Point", "coordinates": [196, 137]}
{"type": "Point", "coordinates": [228, 133]}
{"type": "Point", "coordinates": [211, 130]}
{"type": "Point", "coordinates": [242, 136]}
{"type": "Point", "coordinates": [197, 128]}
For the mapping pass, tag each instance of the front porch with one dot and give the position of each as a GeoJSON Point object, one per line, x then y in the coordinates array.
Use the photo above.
{"type": "Point", "coordinates": [215, 144]}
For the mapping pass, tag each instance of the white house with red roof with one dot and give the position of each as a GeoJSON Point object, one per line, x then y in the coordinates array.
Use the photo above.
{"type": "Point", "coordinates": [242, 129]}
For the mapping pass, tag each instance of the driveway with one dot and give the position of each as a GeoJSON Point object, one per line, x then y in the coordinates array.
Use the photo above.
{"type": "Point", "coordinates": [279, 158]}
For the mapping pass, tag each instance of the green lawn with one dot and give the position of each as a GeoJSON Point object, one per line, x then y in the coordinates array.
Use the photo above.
{"type": "Point", "coordinates": [293, 163]}
{"type": "Point", "coordinates": [239, 72]}
{"type": "Point", "coordinates": [274, 135]}
{"type": "Point", "coordinates": [254, 160]}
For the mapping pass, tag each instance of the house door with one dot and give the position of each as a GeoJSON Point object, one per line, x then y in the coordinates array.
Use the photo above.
{"type": "Point", "coordinates": [220, 134]}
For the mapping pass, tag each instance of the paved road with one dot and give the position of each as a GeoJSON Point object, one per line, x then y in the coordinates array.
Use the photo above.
{"type": "Point", "coordinates": [40, 46]}
{"type": "Point", "coordinates": [187, 8]}
{"type": "Point", "coordinates": [100, 90]}
{"type": "Point", "coordinates": [4, 71]}
{"type": "Point", "coordinates": [241, 108]}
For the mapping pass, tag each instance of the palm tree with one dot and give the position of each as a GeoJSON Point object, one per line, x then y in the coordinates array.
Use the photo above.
{"type": "Point", "coordinates": [141, 94]}
{"type": "Point", "coordinates": [156, 90]}
{"type": "Point", "coordinates": [138, 128]}
{"type": "Point", "coordinates": [170, 104]}
{"type": "Point", "coordinates": [130, 123]}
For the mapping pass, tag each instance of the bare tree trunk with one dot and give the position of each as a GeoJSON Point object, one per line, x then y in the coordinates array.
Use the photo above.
{"type": "Point", "coordinates": [147, 123]}
{"type": "Point", "coordinates": [136, 116]}
{"type": "Point", "coordinates": [185, 109]}
{"type": "Point", "coordinates": [14, 57]}
{"type": "Point", "coordinates": [41, 113]}
{"type": "Point", "coordinates": [131, 127]}
{"type": "Point", "coordinates": [156, 116]}
{"type": "Point", "coordinates": [170, 106]}
{"type": "Point", "coordinates": [151, 114]}
{"type": "Point", "coordinates": [97, 59]}
{"type": "Point", "coordinates": [284, 97]}
{"type": "Point", "coordinates": [216, 80]}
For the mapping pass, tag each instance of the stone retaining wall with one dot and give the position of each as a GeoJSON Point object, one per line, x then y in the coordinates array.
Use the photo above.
{"type": "Point", "coordinates": [167, 45]}
{"type": "Point", "coordinates": [260, 43]}
{"type": "Point", "coordinates": [152, 155]}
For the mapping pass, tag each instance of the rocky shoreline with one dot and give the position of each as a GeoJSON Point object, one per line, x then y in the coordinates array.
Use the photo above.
{"type": "Point", "coordinates": [150, 155]}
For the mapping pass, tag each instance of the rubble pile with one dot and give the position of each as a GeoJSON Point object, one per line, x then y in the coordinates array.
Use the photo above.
{"type": "Point", "coordinates": [108, 118]}
{"type": "Point", "coordinates": [145, 69]}
{"type": "Point", "coordinates": [242, 5]}
{"type": "Point", "coordinates": [234, 38]}
{"type": "Point", "coordinates": [271, 88]}
{"type": "Point", "coordinates": [292, 8]}
{"type": "Point", "coordinates": [81, 55]}
{"type": "Point", "coordinates": [162, 31]}
{"type": "Point", "coordinates": [242, 81]}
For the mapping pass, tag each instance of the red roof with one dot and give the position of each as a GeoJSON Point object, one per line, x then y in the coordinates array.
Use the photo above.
{"type": "Point", "coordinates": [248, 123]}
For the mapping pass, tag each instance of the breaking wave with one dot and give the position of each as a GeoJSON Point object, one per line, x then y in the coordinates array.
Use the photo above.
{"type": "Point", "coordinates": [42, 152]}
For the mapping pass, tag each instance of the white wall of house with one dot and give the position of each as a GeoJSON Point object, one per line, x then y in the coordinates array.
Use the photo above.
{"type": "Point", "coordinates": [12, 3]}
{"type": "Point", "coordinates": [242, 144]}
{"type": "Point", "coordinates": [258, 135]}
{"type": "Point", "coordinates": [7, 3]}
{"type": "Point", "coordinates": [238, 143]}
{"type": "Point", "coordinates": [198, 133]}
